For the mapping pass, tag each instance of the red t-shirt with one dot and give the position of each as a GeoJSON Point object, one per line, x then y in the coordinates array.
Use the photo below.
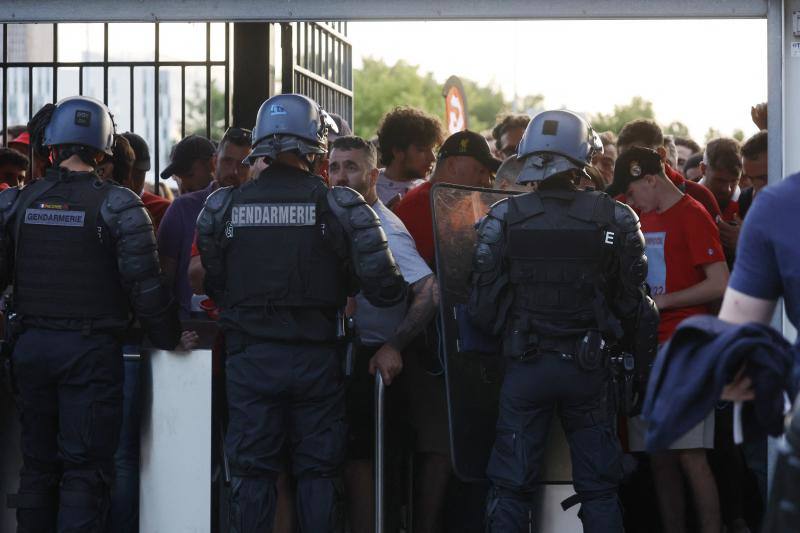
{"type": "Point", "coordinates": [731, 211]}
{"type": "Point", "coordinates": [156, 206]}
{"type": "Point", "coordinates": [414, 209]}
{"type": "Point", "coordinates": [679, 243]}
{"type": "Point", "coordinates": [695, 190]}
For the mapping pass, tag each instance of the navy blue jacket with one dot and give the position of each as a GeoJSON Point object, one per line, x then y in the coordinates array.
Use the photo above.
{"type": "Point", "coordinates": [703, 356]}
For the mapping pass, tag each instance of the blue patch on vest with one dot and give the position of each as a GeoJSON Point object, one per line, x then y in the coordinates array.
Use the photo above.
{"type": "Point", "coordinates": [55, 217]}
{"type": "Point", "coordinates": [244, 215]}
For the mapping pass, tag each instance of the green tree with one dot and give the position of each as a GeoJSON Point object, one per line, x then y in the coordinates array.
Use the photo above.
{"type": "Point", "coordinates": [196, 112]}
{"type": "Point", "coordinates": [379, 88]}
{"type": "Point", "coordinates": [712, 133]}
{"type": "Point", "coordinates": [622, 114]}
{"type": "Point", "coordinates": [677, 129]}
{"type": "Point", "coordinates": [738, 135]}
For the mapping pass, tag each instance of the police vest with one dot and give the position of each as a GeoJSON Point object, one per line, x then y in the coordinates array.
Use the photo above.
{"type": "Point", "coordinates": [278, 246]}
{"type": "Point", "coordinates": [560, 245]}
{"type": "Point", "coordinates": [65, 265]}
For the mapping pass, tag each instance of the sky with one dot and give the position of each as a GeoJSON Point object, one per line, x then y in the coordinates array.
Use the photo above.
{"type": "Point", "coordinates": [704, 73]}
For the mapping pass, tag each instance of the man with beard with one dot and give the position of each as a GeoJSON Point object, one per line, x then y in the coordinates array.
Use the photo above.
{"type": "Point", "coordinates": [406, 140]}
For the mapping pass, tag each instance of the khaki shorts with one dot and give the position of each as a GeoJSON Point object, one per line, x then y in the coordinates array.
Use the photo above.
{"type": "Point", "coordinates": [700, 436]}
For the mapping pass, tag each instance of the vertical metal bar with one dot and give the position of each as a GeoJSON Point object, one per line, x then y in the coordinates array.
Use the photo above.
{"type": "Point", "coordinates": [183, 101]}
{"type": "Point", "coordinates": [80, 80]}
{"type": "Point", "coordinates": [133, 101]}
{"type": "Point", "coordinates": [379, 452]}
{"type": "Point", "coordinates": [55, 62]}
{"type": "Point", "coordinates": [227, 75]}
{"type": "Point", "coordinates": [208, 80]}
{"type": "Point", "coordinates": [156, 147]}
{"type": "Point", "coordinates": [30, 93]}
{"type": "Point", "coordinates": [105, 63]}
{"type": "Point", "coordinates": [5, 84]}
{"type": "Point", "coordinates": [287, 64]}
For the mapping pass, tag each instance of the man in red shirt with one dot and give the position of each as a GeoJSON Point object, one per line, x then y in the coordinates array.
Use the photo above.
{"type": "Point", "coordinates": [155, 205]}
{"type": "Point", "coordinates": [648, 134]}
{"type": "Point", "coordinates": [464, 159]}
{"type": "Point", "coordinates": [686, 273]}
{"type": "Point", "coordinates": [722, 170]}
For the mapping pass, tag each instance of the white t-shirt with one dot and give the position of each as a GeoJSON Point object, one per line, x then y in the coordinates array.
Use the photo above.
{"type": "Point", "coordinates": [388, 188]}
{"type": "Point", "coordinates": [375, 325]}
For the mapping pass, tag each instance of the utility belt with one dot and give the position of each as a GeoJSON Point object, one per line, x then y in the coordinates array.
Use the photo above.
{"type": "Point", "coordinates": [588, 351]}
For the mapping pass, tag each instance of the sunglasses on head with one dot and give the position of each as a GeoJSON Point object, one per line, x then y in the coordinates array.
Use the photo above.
{"type": "Point", "coordinates": [238, 135]}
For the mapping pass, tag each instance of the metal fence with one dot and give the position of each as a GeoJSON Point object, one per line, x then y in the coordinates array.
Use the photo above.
{"type": "Point", "coordinates": [50, 67]}
{"type": "Point", "coordinates": [165, 80]}
{"type": "Point", "coordinates": [318, 62]}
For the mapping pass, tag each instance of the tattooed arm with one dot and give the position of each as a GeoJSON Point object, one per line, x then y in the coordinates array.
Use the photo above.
{"type": "Point", "coordinates": [424, 301]}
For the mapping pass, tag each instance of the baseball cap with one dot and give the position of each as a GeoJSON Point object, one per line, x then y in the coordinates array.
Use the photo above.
{"type": "Point", "coordinates": [22, 138]}
{"type": "Point", "coordinates": [633, 165]}
{"type": "Point", "coordinates": [186, 152]}
{"type": "Point", "coordinates": [471, 144]}
{"type": "Point", "coordinates": [141, 150]}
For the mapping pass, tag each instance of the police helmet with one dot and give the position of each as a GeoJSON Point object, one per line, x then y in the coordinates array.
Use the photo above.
{"type": "Point", "coordinates": [290, 122]}
{"type": "Point", "coordinates": [82, 121]}
{"type": "Point", "coordinates": [555, 142]}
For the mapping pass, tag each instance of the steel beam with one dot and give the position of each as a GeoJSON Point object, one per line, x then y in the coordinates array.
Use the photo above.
{"type": "Point", "coordinates": [294, 10]}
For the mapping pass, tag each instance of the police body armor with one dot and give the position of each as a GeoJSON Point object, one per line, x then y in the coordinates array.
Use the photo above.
{"type": "Point", "coordinates": [66, 266]}
{"type": "Point", "coordinates": [278, 248]}
{"type": "Point", "coordinates": [559, 245]}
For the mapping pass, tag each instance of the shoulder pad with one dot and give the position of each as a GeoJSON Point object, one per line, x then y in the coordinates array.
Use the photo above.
{"type": "Point", "coordinates": [346, 197]}
{"type": "Point", "coordinates": [8, 197]}
{"type": "Point", "coordinates": [219, 199]}
{"type": "Point", "coordinates": [499, 209]}
{"type": "Point", "coordinates": [625, 217]}
{"type": "Point", "coordinates": [490, 229]}
{"type": "Point", "coordinates": [119, 199]}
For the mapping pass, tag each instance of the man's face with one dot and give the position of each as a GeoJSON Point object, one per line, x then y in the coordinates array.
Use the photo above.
{"type": "Point", "coordinates": [684, 153]}
{"type": "Point", "coordinates": [349, 168]}
{"type": "Point", "coordinates": [721, 182]}
{"type": "Point", "coordinates": [197, 177]}
{"type": "Point", "coordinates": [466, 170]}
{"type": "Point", "coordinates": [12, 175]}
{"type": "Point", "coordinates": [416, 161]}
{"type": "Point", "coordinates": [137, 180]}
{"type": "Point", "coordinates": [509, 141]}
{"type": "Point", "coordinates": [694, 174]}
{"type": "Point", "coordinates": [756, 170]}
{"type": "Point", "coordinates": [230, 170]}
{"type": "Point", "coordinates": [605, 162]}
{"type": "Point", "coordinates": [641, 194]}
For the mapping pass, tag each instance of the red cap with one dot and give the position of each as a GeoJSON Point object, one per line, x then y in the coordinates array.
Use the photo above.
{"type": "Point", "coordinates": [22, 138]}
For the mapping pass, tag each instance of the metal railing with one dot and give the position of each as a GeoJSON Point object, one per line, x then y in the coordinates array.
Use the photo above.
{"type": "Point", "coordinates": [155, 66]}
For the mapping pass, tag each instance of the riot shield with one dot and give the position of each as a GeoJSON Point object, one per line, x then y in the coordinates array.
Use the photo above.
{"type": "Point", "coordinates": [473, 364]}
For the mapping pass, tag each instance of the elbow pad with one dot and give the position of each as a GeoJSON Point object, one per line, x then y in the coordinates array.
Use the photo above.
{"type": "Point", "coordinates": [8, 200]}
{"type": "Point", "coordinates": [132, 231]}
{"type": "Point", "coordinates": [381, 281]}
{"type": "Point", "coordinates": [210, 224]}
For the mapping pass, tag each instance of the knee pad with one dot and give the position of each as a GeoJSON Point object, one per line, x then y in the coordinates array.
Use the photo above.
{"type": "Point", "coordinates": [252, 503]}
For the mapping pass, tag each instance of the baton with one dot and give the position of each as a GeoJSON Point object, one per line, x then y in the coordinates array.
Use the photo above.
{"type": "Point", "coordinates": [379, 489]}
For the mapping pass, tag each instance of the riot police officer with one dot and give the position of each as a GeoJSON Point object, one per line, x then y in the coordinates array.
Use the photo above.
{"type": "Point", "coordinates": [80, 254]}
{"type": "Point", "coordinates": [560, 274]}
{"type": "Point", "coordinates": [282, 253]}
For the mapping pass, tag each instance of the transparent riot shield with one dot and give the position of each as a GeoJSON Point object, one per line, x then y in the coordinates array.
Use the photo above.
{"type": "Point", "coordinates": [473, 364]}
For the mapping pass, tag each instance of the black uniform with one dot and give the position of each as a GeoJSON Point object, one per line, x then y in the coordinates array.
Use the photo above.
{"type": "Point", "coordinates": [560, 274]}
{"type": "Point", "coordinates": [281, 254]}
{"type": "Point", "coordinates": [81, 254]}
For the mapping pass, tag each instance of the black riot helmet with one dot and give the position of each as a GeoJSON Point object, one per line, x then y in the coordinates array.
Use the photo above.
{"type": "Point", "coordinates": [290, 122]}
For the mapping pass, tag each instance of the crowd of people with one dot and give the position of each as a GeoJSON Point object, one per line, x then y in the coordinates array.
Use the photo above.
{"type": "Point", "coordinates": [691, 203]}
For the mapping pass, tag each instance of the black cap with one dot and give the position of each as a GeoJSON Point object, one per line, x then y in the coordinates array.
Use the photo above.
{"type": "Point", "coordinates": [141, 150]}
{"type": "Point", "coordinates": [633, 165]}
{"type": "Point", "coordinates": [186, 152]}
{"type": "Point", "coordinates": [471, 144]}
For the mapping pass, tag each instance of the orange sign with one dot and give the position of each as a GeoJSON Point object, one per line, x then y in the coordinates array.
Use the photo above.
{"type": "Point", "coordinates": [455, 105]}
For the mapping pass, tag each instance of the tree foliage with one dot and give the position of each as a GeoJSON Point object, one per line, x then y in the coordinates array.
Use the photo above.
{"type": "Point", "coordinates": [379, 88]}
{"type": "Point", "coordinates": [677, 129]}
{"type": "Point", "coordinates": [622, 114]}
